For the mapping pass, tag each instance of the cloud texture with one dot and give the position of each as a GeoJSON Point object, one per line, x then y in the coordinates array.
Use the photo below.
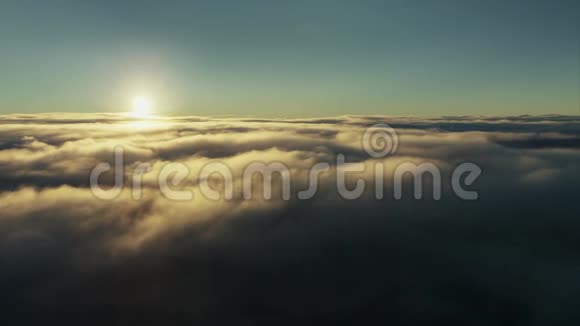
{"type": "Point", "coordinates": [510, 257]}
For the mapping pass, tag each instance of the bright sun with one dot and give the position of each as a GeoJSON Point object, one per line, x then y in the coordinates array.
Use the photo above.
{"type": "Point", "coordinates": [142, 106]}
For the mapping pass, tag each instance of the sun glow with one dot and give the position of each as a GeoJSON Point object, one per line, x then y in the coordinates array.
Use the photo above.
{"type": "Point", "coordinates": [142, 106]}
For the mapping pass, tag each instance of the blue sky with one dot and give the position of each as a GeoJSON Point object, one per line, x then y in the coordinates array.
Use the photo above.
{"type": "Point", "coordinates": [298, 58]}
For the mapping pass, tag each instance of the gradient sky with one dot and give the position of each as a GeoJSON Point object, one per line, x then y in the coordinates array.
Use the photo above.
{"type": "Point", "coordinates": [293, 58]}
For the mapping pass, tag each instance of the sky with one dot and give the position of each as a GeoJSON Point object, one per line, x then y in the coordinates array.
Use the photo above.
{"type": "Point", "coordinates": [290, 59]}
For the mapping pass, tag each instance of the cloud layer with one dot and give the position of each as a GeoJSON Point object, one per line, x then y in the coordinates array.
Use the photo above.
{"type": "Point", "coordinates": [509, 257]}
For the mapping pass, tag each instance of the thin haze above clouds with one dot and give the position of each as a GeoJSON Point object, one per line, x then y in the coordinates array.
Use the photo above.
{"type": "Point", "coordinates": [508, 257]}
